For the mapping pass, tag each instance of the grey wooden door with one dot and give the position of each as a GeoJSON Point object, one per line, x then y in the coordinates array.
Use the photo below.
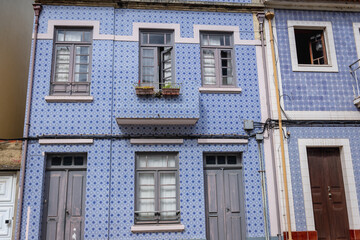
{"type": "Point", "coordinates": [64, 205]}
{"type": "Point", "coordinates": [224, 206]}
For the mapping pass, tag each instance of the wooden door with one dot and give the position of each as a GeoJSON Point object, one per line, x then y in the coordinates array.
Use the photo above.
{"type": "Point", "coordinates": [225, 218]}
{"type": "Point", "coordinates": [7, 200]}
{"type": "Point", "coordinates": [328, 196]}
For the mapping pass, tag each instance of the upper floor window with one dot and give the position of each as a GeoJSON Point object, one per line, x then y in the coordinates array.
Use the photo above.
{"type": "Point", "coordinates": [72, 60]}
{"type": "Point", "coordinates": [312, 46]}
{"type": "Point", "coordinates": [217, 60]}
{"type": "Point", "coordinates": [156, 58]}
{"type": "Point", "coordinates": [157, 188]}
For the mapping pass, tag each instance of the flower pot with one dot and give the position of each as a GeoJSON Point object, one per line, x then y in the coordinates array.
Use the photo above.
{"type": "Point", "coordinates": [144, 90]}
{"type": "Point", "coordinates": [170, 91]}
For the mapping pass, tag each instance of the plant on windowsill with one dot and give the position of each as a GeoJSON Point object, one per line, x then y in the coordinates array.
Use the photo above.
{"type": "Point", "coordinates": [144, 90]}
{"type": "Point", "coordinates": [170, 90]}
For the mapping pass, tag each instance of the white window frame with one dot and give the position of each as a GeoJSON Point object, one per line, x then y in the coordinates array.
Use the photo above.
{"type": "Point", "coordinates": [356, 27]}
{"type": "Point", "coordinates": [329, 46]}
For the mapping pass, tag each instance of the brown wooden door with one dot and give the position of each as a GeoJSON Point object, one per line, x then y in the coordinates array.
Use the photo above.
{"type": "Point", "coordinates": [328, 196]}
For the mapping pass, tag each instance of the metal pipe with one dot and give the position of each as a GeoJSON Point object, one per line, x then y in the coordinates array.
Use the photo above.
{"type": "Point", "coordinates": [261, 19]}
{"type": "Point", "coordinates": [37, 9]}
{"type": "Point", "coordinates": [269, 16]}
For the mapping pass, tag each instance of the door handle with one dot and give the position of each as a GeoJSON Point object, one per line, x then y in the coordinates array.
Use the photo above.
{"type": "Point", "coordinates": [7, 221]}
{"type": "Point", "coordinates": [67, 212]}
{"type": "Point", "coordinates": [227, 210]}
{"type": "Point", "coordinates": [329, 192]}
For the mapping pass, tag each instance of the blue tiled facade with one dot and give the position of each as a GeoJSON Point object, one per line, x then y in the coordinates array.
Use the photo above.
{"type": "Point", "coordinates": [318, 91]}
{"type": "Point", "coordinates": [111, 162]}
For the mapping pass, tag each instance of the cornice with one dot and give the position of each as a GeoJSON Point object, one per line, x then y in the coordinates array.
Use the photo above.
{"type": "Point", "coordinates": [320, 5]}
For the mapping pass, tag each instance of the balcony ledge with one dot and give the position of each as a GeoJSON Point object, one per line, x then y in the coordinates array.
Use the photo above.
{"type": "Point", "coordinates": [157, 121]}
{"type": "Point", "coordinates": [157, 228]}
{"type": "Point", "coordinates": [69, 99]}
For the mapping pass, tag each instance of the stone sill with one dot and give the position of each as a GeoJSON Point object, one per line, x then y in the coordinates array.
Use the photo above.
{"type": "Point", "coordinates": [219, 90]}
{"type": "Point", "coordinates": [69, 99]}
{"type": "Point", "coordinates": [157, 228]}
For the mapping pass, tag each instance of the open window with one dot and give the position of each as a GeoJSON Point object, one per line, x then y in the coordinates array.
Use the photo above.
{"type": "Point", "coordinates": [156, 59]}
{"type": "Point", "coordinates": [312, 46]}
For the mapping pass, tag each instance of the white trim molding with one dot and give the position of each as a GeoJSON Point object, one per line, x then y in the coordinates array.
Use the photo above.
{"type": "Point", "coordinates": [356, 27]}
{"type": "Point", "coordinates": [67, 99]}
{"type": "Point", "coordinates": [155, 141]}
{"type": "Point", "coordinates": [157, 228]}
{"type": "Point", "coordinates": [134, 37]}
{"type": "Point", "coordinates": [222, 141]}
{"type": "Point", "coordinates": [66, 141]}
{"type": "Point", "coordinates": [219, 90]}
{"type": "Point", "coordinates": [329, 46]}
{"type": "Point", "coordinates": [348, 177]}
{"type": "Point", "coordinates": [323, 115]}
{"type": "Point", "coordinates": [156, 121]}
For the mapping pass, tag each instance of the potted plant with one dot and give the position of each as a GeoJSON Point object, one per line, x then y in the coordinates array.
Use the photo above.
{"type": "Point", "coordinates": [144, 90]}
{"type": "Point", "coordinates": [170, 90]}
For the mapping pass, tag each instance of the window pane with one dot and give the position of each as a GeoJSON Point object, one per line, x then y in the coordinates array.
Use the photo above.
{"type": "Point", "coordinates": [56, 161]}
{"type": "Point", "coordinates": [231, 159]}
{"type": "Point", "coordinates": [209, 71]}
{"type": "Point", "coordinates": [83, 68]}
{"type": "Point", "coordinates": [61, 35]}
{"type": "Point", "coordinates": [209, 80]}
{"type": "Point", "coordinates": [157, 161]}
{"type": "Point", "coordinates": [148, 70]}
{"type": "Point", "coordinates": [148, 53]}
{"type": "Point", "coordinates": [62, 68]}
{"type": "Point", "coordinates": [167, 74]}
{"type": "Point", "coordinates": [167, 178]}
{"type": "Point", "coordinates": [226, 63]}
{"type": "Point", "coordinates": [144, 38]}
{"type": "Point", "coordinates": [87, 36]}
{"type": "Point", "coordinates": [168, 38]}
{"type": "Point", "coordinates": [82, 59]}
{"type": "Point", "coordinates": [171, 161]}
{"type": "Point", "coordinates": [82, 50]}
{"type": "Point", "coordinates": [210, 160]}
{"type": "Point", "coordinates": [216, 40]}
{"type": "Point", "coordinates": [147, 207]}
{"type": "Point", "coordinates": [61, 77]}
{"type": "Point", "coordinates": [147, 192]}
{"type": "Point", "coordinates": [148, 79]}
{"type": "Point", "coordinates": [142, 161]}
{"type": "Point", "coordinates": [81, 77]}
{"type": "Point", "coordinates": [146, 179]}
{"type": "Point", "coordinates": [227, 81]}
{"type": "Point", "coordinates": [221, 159]}
{"type": "Point", "coordinates": [156, 38]}
{"type": "Point", "coordinates": [226, 72]}
{"type": "Point", "coordinates": [208, 53]}
{"type": "Point", "coordinates": [67, 161]}
{"type": "Point", "coordinates": [209, 62]}
{"type": "Point", "coordinates": [225, 54]}
{"type": "Point", "coordinates": [73, 36]}
{"type": "Point", "coordinates": [78, 161]}
{"type": "Point", "coordinates": [168, 208]}
{"type": "Point", "coordinates": [204, 39]}
{"type": "Point", "coordinates": [227, 40]}
{"type": "Point", "coordinates": [148, 61]}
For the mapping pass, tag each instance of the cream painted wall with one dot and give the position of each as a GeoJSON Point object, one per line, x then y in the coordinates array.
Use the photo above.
{"type": "Point", "coordinates": [16, 19]}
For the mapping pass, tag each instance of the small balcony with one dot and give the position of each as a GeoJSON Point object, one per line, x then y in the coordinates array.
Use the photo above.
{"type": "Point", "coordinates": [355, 73]}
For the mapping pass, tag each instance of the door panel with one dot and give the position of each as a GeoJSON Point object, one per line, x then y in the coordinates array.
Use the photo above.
{"type": "Point", "coordinates": [224, 215]}
{"type": "Point", "coordinates": [328, 196]}
{"type": "Point", "coordinates": [6, 188]}
{"type": "Point", "coordinates": [7, 201]}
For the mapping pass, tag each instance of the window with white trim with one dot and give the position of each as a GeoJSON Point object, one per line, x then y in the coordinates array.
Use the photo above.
{"type": "Point", "coordinates": [217, 60]}
{"type": "Point", "coordinates": [312, 46]}
{"type": "Point", "coordinates": [72, 61]}
{"type": "Point", "coordinates": [157, 188]}
{"type": "Point", "coordinates": [156, 58]}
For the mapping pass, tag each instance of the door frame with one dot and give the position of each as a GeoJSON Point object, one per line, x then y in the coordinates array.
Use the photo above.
{"type": "Point", "coordinates": [239, 156]}
{"type": "Point", "coordinates": [348, 179]}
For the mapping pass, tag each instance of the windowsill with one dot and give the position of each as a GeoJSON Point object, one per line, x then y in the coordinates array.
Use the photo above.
{"type": "Point", "coordinates": [314, 68]}
{"type": "Point", "coordinates": [157, 228]}
{"type": "Point", "coordinates": [357, 102]}
{"type": "Point", "coordinates": [69, 99]}
{"type": "Point", "coordinates": [219, 90]}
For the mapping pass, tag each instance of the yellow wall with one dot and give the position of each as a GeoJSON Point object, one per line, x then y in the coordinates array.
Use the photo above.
{"type": "Point", "coordinates": [16, 19]}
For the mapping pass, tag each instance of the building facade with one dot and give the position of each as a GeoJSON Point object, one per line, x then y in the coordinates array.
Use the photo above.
{"type": "Point", "coordinates": [136, 123]}
{"type": "Point", "coordinates": [316, 42]}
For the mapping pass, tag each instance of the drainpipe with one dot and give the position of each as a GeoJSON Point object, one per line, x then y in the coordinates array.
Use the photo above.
{"type": "Point", "coordinates": [269, 16]}
{"type": "Point", "coordinates": [261, 18]}
{"type": "Point", "coordinates": [37, 9]}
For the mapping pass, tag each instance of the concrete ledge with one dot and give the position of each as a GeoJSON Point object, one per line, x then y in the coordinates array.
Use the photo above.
{"type": "Point", "coordinates": [157, 228]}
{"type": "Point", "coordinates": [222, 141]}
{"type": "Point", "coordinates": [219, 90]}
{"type": "Point", "coordinates": [66, 141]}
{"type": "Point", "coordinates": [68, 99]}
{"type": "Point", "coordinates": [157, 121]}
{"type": "Point", "coordinates": [155, 141]}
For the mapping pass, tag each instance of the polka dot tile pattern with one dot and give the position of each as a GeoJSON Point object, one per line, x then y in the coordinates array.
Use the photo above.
{"type": "Point", "coordinates": [317, 91]}
{"type": "Point", "coordinates": [351, 133]}
{"type": "Point", "coordinates": [114, 71]}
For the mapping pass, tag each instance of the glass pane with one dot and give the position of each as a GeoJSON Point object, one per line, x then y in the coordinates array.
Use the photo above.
{"type": "Point", "coordinates": [146, 179]}
{"type": "Point", "coordinates": [78, 161]}
{"type": "Point", "coordinates": [227, 81]}
{"type": "Point", "coordinates": [209, 80]}
{"type": "Point", "coordinates": [208, 53]}
{"type": "Point", "coordinates": [209, 71]}
{"type": "Point", "coordinates": [146, 205]}
{"type": "Point", "coordinates": [168, 191]}
{"type": "Point", "coordinates": [63, 50]}
{"type": "Point", "coordinates": [81, 77]}
{"type": "Point", "coordinates": [225, 54]}
{"type": "Point", "coordinates": [63, 59]}
{"type": "Point", "coordinates": [141, 161]}
{"type": "Point", "coordinates": [210, 160]}
{"type": "Point", "coordinates": [148, 79]}
{"type": "Point", "coordinates": [64, 68]}
{"type": "Point", "coordinates": [157, 161]}
{"type": "Point", "coordinates": [61, 77]}
{"type": "Point", "coordinates": [73, 36]}
{"type": "Point", "coordinates": [168, 208]}
{"type": "Point", "coordinates": [156, 38]}
{"type": "Point", "coordinates": [171, 161]}
{"type": "Point", "coordinates": [204, 39]}
{"type": "Point", "coordinates": [168, 38]}
{"type": "Point", "coordinates": [148, 53]}
{"type": "Point", "coordinates": [82, 68]}
{"type": "Point", "coordinates": [82, 50]}
{"type": "Point", "coordinates": [167, 178]}
{"type": "Point", "coordinates": [67, 161]}
{"type": "Point", "coordinates": [148, 61]}
{"type": "Point", "coordinates": [167, 56]}
{"type": "Point", "coordinates": [167, 74]}
{"type": "Point", "coordinates": [226, 71]}
{"type": "Point", "coordinates": [82, 59]}
{"type": "Point", "coordinates": [226, 63]}
{"type": "Point", "coordinates": [144, 38]}
{"type": "Point", "coordinates": [167, 65]}
{"type": "Point", "coordinates": [221, 159]}
{"type": "Point", "coordinates": [209, 62]}
{"type": "Point", "coordinates": [231, 159]}
{"type": "Point", "coordinates": [56, 161]}
{"type": "Point", "coordinates": [227, 40]}
{"type": "Point", "coordinates": [61, 35]}
{"type": "Point", "coordinates": [87, 36]}
{"type": "Point", "coordinates": [147, 70]}
{"type": "Point", "coordinates": [216, 40]}
{"type": "Point", "coordinates": [147, 192]}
